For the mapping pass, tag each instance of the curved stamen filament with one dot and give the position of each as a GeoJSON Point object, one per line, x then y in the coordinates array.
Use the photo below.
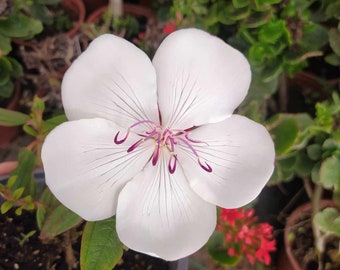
{"type": "Point", "coordinates": [117, 141]}
{"type": "Point", "coordinates": [205, 167]}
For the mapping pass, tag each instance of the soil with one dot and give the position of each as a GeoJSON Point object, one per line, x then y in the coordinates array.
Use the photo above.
{"type": "Point", "coordinates": [18, 252]}
{"type": "Point", "coordinates": [303, 246]}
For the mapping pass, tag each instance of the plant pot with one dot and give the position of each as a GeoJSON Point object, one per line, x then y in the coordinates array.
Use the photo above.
{"type": "Point", "coordinates": [297, 222]}
{"type": "Point", "coordinates": [76, 6]}
{"type": "Point", "coordinates": [91, 5]}
{"type": "Point", "coordinates": [7, 134]}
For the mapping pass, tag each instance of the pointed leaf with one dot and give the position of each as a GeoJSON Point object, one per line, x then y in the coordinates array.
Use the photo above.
{"type": "Point", "coordinates": [6, 206]}
{"type": "Point", "coordinates": [59, 221]}
{"type": "Point", "coordinates": [100, 246]}
{"type": "Point", "coordinates": [48, 203]}
{"type": "Point", "coordinates": [24, 172]}
{"type": "Point", "coordinates": [12, 118]}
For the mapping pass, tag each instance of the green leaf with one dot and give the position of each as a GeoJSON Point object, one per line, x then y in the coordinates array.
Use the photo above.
{"type": "Point", "coordinates": [12, 118]}
{"type": "Point", "coordinates": [30, 130]}
{"type": "Point", "coordinates": [272, 31]}
{"type": "Point", "coordinates": [18, 193]}
{"type": "Point", "coordinates": [284, 130]}
{"type": "Point", "coordinates": [18, 211]}
{"type": "Point", "coordinates": [38, 104]}
{"type": "Point", "coordinates": [60, 220]}
{"type": "Point", "coordinates": [5, 45]}
{"type": "Point", "coordinates": [334, 40]}
{"type": "Point", "coordinates": [218, 252]}
{"type": "Point", "coordinates": [24, 172]}
{"type": "Point", "coordinates": [240, 3]}
{"type": "Point", "coordinates": [53, 122]}
{"type": "Point", "coordinates": [7, 89]}
{"type": "Point", "coordinates": [5, 70]}
{"type": "Point", "coordinates": [20, 26]}
{"type": "Point", "coordinates": [6, 206]}
{"type": "Point", "coordinates": [100, 246]}
{"type": "Point", "coordinates": [328, 221]}
{"type": "Point", "coordinates": [333, 59]}
{"type": "Point", "coordinates": [304, 164]}
{"type": "Point", "coordinates": [314, 151]}
{"type": "Point", "coordinates": [48, 203]}
{"type": "Point", "coordinates": [330, 173]}
{"type": "Point", "coordinates": [11, 181]}
{"type": "Point", "coordinates": [16, 68]}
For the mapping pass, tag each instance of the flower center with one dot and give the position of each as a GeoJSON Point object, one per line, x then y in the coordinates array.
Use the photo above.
{"type": "Point", "coordinates": [164, 138]}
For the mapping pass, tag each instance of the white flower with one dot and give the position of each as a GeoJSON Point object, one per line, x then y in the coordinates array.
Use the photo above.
{"type": "Point", "coordinates": [156, 144]}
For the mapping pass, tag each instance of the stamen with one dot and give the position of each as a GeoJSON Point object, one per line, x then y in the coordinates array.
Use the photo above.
{"type": "Point", "coordinates": [155, 155]}
{"type": "Point", "coordinates": [134, 146]}
{"type": "Point", "coordinates": [122, 140]}
{"type": "Point", "coordinates": [205, 167]}
{"type": "Point", "coordinates": [172, 167]}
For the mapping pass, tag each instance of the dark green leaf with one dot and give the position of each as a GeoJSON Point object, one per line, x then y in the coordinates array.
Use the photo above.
{"type": "Point", "coordinates": [334, 40]}
{"type": "Point", "coordinates": [7, 89]}
{"type": "Point", "coordinates": [100, 246]}
{"type": "Point", "coordinates": [284, 130]}
{"type": "Point", "coordinates": [20, 26]}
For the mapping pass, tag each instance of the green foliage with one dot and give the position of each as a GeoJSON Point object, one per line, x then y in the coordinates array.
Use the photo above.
{"type": "Point", "coordinates": [10, 70]}
{"type": "Point", "coordinates": [18, 25]}
{"type": "Point", "coordinates": [100, 246]}
{"type": "Point", "coordinates": [328, 221]}
{"type": "Point", "coordinates": [126, 25]}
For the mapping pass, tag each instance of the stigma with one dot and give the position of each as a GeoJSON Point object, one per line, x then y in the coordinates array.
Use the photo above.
{"type": "Point", "coordinates": [164, 138]}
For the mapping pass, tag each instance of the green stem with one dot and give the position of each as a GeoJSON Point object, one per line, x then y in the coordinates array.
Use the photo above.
{"type": "Point", "coordinates": [319, 241]}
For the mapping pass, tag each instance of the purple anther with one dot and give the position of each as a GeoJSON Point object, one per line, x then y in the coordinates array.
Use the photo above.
{"type": "Point", "coordinates": [117, 141]}
{"type": "Point", "coordinates": [134, 146]}
{"type": "Point", "coordinates": [172, 165]}
{"type": "Point", "coordinates": [205, 167]}
{"type": "Point", "coordinates": [155, 155]}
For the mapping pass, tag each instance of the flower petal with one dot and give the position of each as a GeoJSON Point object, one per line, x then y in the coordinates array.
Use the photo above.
{"type": "Point", "coordinates": [86, 170]}
{"type": "Point", "coordinates": [241, 154]}
{"type": "Point", "coordinates": [112, 79]}
{"type": "Point", "coordinates": [200, 79]}
{"type": "Point", "coordinates": [159, 214]}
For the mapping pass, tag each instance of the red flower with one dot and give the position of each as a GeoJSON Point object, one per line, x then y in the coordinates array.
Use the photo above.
{"type": "Point", "coordinates": [243, 236]}
{"type": "Point", "coordinates": [169, 28]}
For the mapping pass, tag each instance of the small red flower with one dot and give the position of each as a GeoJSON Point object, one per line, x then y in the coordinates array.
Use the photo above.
{"type": "Point", "coordinates": [169, 28]}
